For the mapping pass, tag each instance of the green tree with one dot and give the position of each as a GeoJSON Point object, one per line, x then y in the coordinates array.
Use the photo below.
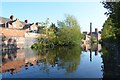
{"type": "Point", "coordinates": [43, 26]}
{"type": "Point", "coordinates": [66, 34]}
{"type": "Point", "coordinates": [114, 13]}
{"type": "Point", "coordinates": [69, 33]}
{"type": "Point", "coordinates": [107, 31]}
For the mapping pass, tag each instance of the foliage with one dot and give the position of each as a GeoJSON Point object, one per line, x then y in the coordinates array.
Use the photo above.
{"type": "Point", "coordinates": [107, 31]}
{"type": "Point", "coordinates": [69, 33]}
{"type": "Point", "coordinates": [114, 14]}
{"type": "Point", "coordinates": [42, 26]}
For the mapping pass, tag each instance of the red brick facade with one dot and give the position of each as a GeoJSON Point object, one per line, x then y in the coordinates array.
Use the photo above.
{"type": "Point", "coordinates": [12, 32]}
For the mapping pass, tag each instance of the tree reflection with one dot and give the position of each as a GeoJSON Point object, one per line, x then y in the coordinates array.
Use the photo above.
{"type": "Point", "coordinates": [62, 57]}
{"type": "Point", "coordinates": [69, 58]}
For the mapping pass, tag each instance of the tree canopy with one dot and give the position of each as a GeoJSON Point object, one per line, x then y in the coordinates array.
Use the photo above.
{"type": "Point", "coordinates": [114, 20]}
{"type": "Point", "coordinates": [107, 30]}
{"type": "Point", "coordinates": [67, 33]}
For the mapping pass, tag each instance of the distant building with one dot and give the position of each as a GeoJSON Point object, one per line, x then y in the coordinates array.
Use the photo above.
{"type": "Point", "coordinates": [11, 32]}
{"type": "Point", "coordinates": [11, 23]}
{"type": "Point", "coordinates": [14, 31]}
{"type": "Point", "coordinates": [87, 36]}
{"type": "Point", "coordinates": [28, 27]}
{"type": "Point", "coordinates": [96, 34]}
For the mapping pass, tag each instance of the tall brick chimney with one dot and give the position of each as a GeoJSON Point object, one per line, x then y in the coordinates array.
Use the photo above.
{"type": "Point", "coordinates": [90, 28]}
{"type": "Point", "coordinates": [11, 17]}
{"type": "Point", "coordinates": [91, 31]}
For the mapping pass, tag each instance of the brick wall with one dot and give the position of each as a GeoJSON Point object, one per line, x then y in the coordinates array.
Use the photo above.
{"type": "Point", "coordinates": [13, 34]}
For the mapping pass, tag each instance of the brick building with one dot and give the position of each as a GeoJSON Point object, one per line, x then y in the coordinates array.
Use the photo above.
{"type": "Point", "coordinates": [13, 31]}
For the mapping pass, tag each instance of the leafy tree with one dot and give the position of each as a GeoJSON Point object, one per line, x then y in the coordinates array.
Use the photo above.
{"type": "Point", "coordinates": [107, 30]}
{"type": "Point", "coordinates": [42, 28]}
{"type": "Point", "coordinates": [53, 28]}
{"type": "Point", "coordinates": [114, 13]}
{"type": "Point", "coordinates": [69, 32]}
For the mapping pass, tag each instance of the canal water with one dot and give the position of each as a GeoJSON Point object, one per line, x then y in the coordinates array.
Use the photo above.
{"type": "Point", "coordinates": [60, 62]}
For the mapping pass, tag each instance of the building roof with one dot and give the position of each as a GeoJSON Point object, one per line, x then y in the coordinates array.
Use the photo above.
{"type": "Point", "coordinates": [28, 25]}
{"type": "Point", "coordinates": [5, 20]}
{"type": "Point", "coordinates": [94, 33]}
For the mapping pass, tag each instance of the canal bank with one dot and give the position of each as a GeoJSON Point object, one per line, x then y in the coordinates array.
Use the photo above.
{"type": "Point", "coordinates": [111, 61]}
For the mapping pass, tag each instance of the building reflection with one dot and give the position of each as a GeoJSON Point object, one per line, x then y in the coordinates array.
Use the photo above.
{"type": "Point", "coordinates": [13, 60]}
{"type": "Point", "coordinates": [91, 48]}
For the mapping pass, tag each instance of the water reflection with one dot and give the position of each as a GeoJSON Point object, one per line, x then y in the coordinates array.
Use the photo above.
{"type": "Point", "coordinates": [62, 57]}
{"type": "Point", "coordinates": [92, 48]}
{"type": "Point", "coordinates": [9, 55]}
{"type": "Point", "coordinates": [59, 62]}
{"type": "Point", "coordinates": [111, 62]}
{"type": "Point", "coordinates": [13, 60]}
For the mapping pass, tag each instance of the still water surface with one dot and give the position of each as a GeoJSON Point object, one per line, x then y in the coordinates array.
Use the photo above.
{"type": "Point", "coordinates": [60, 62]}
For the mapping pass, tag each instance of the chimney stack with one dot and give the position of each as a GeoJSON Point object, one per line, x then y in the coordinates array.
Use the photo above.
{"type": "Point", "coordinates": [11, 17]}
{"type": "Point", "coordinates": [26, 21]}
{"type": "Point", "coordinates": [37, 23]}
{"type": "Point", "coordinates": [90, 28]}
{"type": "Point", "coordinates": [96, 30]}
{"type": "Point", "coordinates": [91, 31]}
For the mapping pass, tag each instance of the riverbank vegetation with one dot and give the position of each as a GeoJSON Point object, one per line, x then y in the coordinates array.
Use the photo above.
{"type": "Point", "coordinates": [66, 33]}
{"type": "Point", "coordinates": [111, 27]}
